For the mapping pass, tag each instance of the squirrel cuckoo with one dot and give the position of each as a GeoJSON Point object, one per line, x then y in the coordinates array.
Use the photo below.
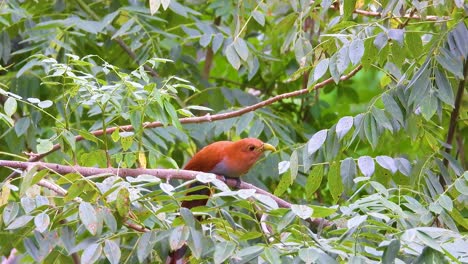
{"type": "Point", "coordinates": [227, 158]}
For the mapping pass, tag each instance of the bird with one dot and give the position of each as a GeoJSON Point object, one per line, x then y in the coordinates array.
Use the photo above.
{"type": "Point", "coordinates": [230, 159]}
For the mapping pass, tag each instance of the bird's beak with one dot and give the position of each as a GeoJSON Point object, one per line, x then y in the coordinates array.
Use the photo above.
{"type": "Point", "coordinates": [269, 147]}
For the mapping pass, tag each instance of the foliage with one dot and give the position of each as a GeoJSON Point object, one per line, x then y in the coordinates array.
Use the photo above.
{"type": "Point", "coordinates": [380, 152]}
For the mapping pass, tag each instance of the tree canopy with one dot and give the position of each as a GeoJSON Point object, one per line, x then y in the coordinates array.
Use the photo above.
{"type": "Point", "coordinates": [103, 102]}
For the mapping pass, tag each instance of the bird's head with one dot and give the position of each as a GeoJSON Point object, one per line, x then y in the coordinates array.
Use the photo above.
{"type": "Point", "coordinates": [246, 152]}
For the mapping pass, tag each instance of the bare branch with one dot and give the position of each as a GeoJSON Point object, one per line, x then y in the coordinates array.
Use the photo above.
{"type": "Point", "coordinates": [207, 117]}
{"type": "Point", "coordinates": [159, 173]}
{"type": "Point", "coordinates": [454, 116]}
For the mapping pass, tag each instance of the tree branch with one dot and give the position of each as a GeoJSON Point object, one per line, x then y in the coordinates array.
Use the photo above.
{"type": "Point", "coordinates": [454, 116]}
{"type": "Point", "coordinates": [205, 118]}
{"type": "Point", "coordinates": [159, 173]}
{"type": "Point", "coordinates": [209, 55]}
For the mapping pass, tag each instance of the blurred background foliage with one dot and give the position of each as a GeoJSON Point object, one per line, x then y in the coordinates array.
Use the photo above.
{"type": "Point", "coordinates": [69, 68]}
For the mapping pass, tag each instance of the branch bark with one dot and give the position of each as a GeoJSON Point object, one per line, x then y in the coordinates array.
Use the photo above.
{"type": "Point", "coordinates": [159, 173]}
{"type": "Point", "coordinates": [205, 118]}
{"type": "Point", "coordinates": [454, 116]}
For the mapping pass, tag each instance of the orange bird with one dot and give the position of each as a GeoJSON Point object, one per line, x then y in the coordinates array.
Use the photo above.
{"type": "Point", "coordinates": [227, 158]}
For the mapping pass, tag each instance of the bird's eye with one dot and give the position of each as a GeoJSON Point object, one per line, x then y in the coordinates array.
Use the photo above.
{"type": "Point", "coordinates": [251, 148]}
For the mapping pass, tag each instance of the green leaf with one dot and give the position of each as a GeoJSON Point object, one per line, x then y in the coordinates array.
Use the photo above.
{"type": "Point", "coordinates": [93, 158]}
{"type": "Point", "coordinates": [370, 130]}
{"type": "Point", "coordinates": [126, 141]}
{"type": "Point", "coordinates": [392, 107]}
{"type": "Point", "coordinates": [223, 251]}
{"type": "Point", "coordinates": [112, 251]}
{"type": "Point", "coordinates": [45, 104]}
{"type": "Point", "coordinates": [356, 50]}
{"type": "Point", "coordinates": [88, 217]}
{"type": "Point", "coordinates": [381, 118]}
{"type": "Point", "coordinates": [381, 40]}
{"type": "Point", "coordinates": [446, 202]}
{"type": "Point", "coordinates": [428, 106]}
{"type": "Point", "coordinates": [10, 212]}
{"type": "Point", "coordinates": [10, 106]}
{"type": "Point", "coordinates": [444, 89]}
{"type": "Point", "coordinates": [123, 202]}
{"type": "Point", "coordinates": [428, 240]}
{"type": "Point", "coordinates": [316, 141]}
{"type": "Point", "coordinates": [302, 211]}
{"type": "Point", "coordinates": [348, 9]}
{"type": "Point", "coordinates": [333, 68]}
{"type": "Point", "coordinates": [308, 255]}
{"type": "Point", "coordinates": [379, 188]}
{"type": "Point", "coordinates": [320, 69]}
{"type": "Point", "coordinates": [414, 43]}
{"type": "Point", "coordinates": [145, 245]}
{"type": "Point", "coordinates": [462, 186]}
{"type": "Point", "coordinates": [241, 48]}
{"type": "Point", "coordinates": [259, 17]}
{"type": "Point", "coordinates": [419, 86]}
{"type": "Point", "coordinates": [178, 237]}
{"type": "Point", "coordinates": [335, 183]}
{"type": "Point", "coordinates": [387, 163]}
{"type": "Point", "coordinates": [430, 255]}
{"type": "Point", "coordinates": [22, 125]}
{"type": "Point", "coordinates": [314, 180]}
{"type": "Point", "coordinates": [92, 253]}
{"type": "Point", "coordinates": [294, 166]}
{"type": "Point", "coordinates": [366, 165]}
{"type": "Point", "coordinates": [20, 222]}
{"type": "Point", "coordinates": [283, 184]}
{"type": "Point", "coordinates": [321, 211]}
{"type": "Point", "coordinates": [44, 146]}
{"type": "Point", "coordinates": [348, 172]}
{"type": "Point", "coordinates": [232, 56]}
{"type": "Point", "coordinates": [197, 243]}
{"type": "Point", "coordinates": [343, 126]}
{"type": "Point", "coordinates": [397, 35]}
{"type": "Point", "coordinates": [450, 62]}
{"type": "Point", "coordinates": [391, 252]}
{"type": "Point", "coordinates": [272, 255]}
{"type": "Point", "coordinates": [41, 221]}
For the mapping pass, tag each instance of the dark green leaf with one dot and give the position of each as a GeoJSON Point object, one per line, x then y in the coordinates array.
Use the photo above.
{"type": "Point", "coordinates": [41, 221]}
{"type": "Point", "coordinates": [10, 212]}
{"type": "Point", "coordinates": [316, 141]}
{"type": "Point", "coordinates": [335, 184]}
{"type": "Point", "coordinates": [91, 254]}
{"type": "Point", "coordinates": [356, 51]}
{"type": "Point", "coordinates": [348, 9]}
{"type": "Point", "coordinates": [20, 222]}
{"type": "Point", "coordinates": [314, 180]}
{"type": "Point", "coordinates": [241, 48]}
{"type": "Point", "coordinates": [223, 251]}
{"type": "Point", "coordinates": [392, 107]}
{"type": "Point", "coordinates": [112, 251]}
{"type": "Point", "coordinates": [294, 166]}
{"type": "Point", "coordinates": [348, 172]}
{"type": "Point", "coordinates": [320, 69]}
{"type": "Point", "coordinates": [366, 165]}
{"type": "Point", "coordinates": [444, 89]}
{"type": "Point", "coordinates": [232, 56]}
{"type": "Point", "coordinates": [88, 217]}
{"type": "Point", "coordinates": [145, 245]}
{"type": "Point", "coordinates": [391, 252]}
